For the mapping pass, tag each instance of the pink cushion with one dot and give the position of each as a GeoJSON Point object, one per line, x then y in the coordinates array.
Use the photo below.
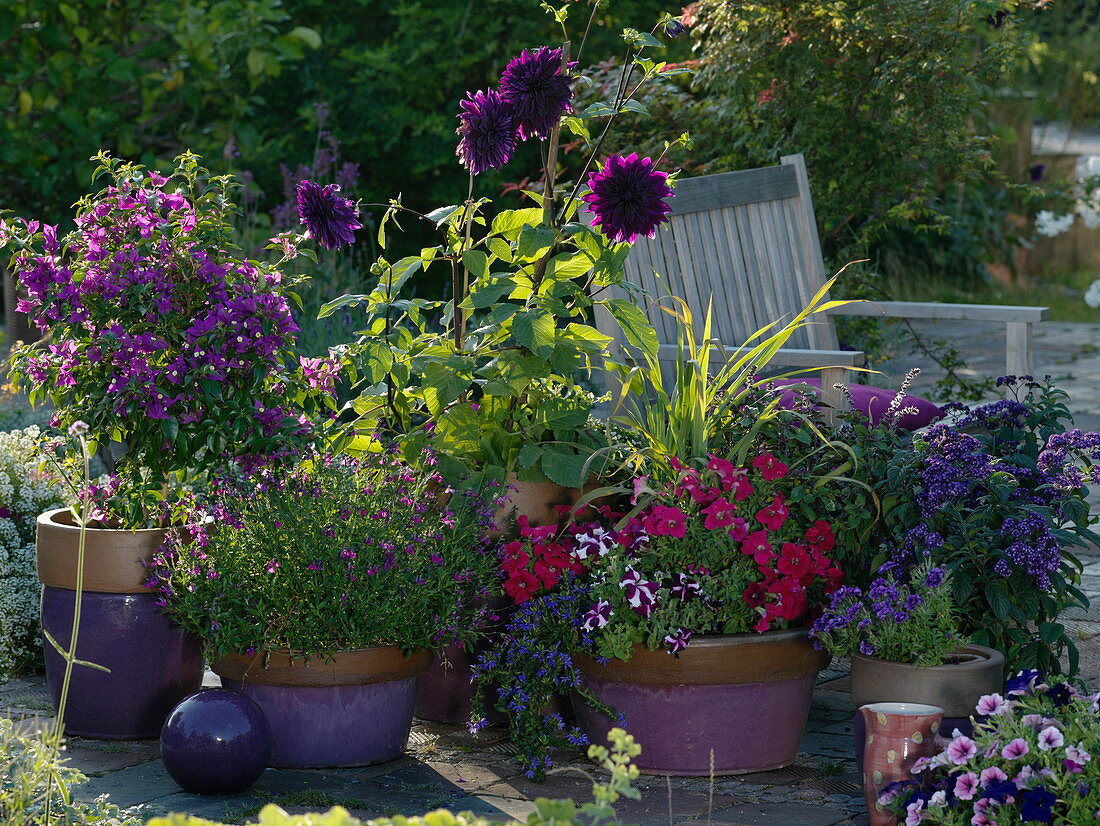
{"type": "Point", "coordinates": [872, 402]}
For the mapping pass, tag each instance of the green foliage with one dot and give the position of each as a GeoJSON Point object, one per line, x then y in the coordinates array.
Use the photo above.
{"type": "Point", "coordinates": [681, 413]}
{"type": "Point", "coordinates": [877, 96]}
{"type": "Point", "coordinates": [36, 787]}
{"type": "Point", "coordinates": [143, 78]}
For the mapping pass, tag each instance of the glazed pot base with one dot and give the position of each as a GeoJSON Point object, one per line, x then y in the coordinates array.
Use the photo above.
{"type": "Point", "coordinates": [153, 663]}
{"type": "Point", "coordinates": [750, 727]}
{"type": "Point", "coordinates": [334, 726]}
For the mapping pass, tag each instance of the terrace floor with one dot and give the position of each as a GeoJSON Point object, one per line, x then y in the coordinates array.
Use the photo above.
{"type": "Point", "coordinates": [447, 767]}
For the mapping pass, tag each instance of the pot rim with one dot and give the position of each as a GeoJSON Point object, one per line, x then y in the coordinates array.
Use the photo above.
{"type": "Point", "coordinates": [983, 656]}
{"type": "Point", "coordinates": [357, 666]}
{"type": "Point", "coordinates": [716, 659]}
{"type": "Point", "coordinates": [50, 518]}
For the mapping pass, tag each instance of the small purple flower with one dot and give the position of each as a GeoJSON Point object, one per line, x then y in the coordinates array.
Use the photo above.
{"type": "Point", "coordinates": [1037, 804]}
{"type": "Point", "coordinates": [330, 218]}
{"type": "Point", "coordinates": [628, 198]}
{"type": "Point", "coordinates": [537, 89]}
{"type": "Point", "coordinates": [1023, 682]}
{"type": "Point", "coordinates": [640, 594]}
{"type": "Point", "coordinates": [487, 132]}
{"type": "Point", "coordinates": [598, 616]}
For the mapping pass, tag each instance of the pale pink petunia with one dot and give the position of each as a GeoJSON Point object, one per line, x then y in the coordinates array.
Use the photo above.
{"type": "Point", "coordinates": [1078, 754]}
{"type": "Point", "coordinates": [966, 785]}
{"type": "Point", "coordinates": [961, 749]}
{"type": "Point", "coordinates": [1015, 749]}
{"type": "Point", "coordinates": [1050, 738]}
{"type": "Point", "coordinates": [1034, 721]}
{"type": "Point", "coordinates": [913, 813]}
{"type": "Point", "coordinates": [992, 773]}
{"type": "Point", "coordinates": [991, 705]}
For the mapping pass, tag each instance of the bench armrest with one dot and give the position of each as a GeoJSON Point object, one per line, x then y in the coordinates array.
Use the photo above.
{"type": "Point", "coordinates": [943, 312]}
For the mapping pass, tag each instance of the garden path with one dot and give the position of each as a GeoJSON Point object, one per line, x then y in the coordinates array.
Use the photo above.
{"type": "Point", "coordinates": [446, 766]}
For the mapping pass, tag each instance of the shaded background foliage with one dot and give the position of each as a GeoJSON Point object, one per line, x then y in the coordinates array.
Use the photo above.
{"type": "Point", "coordinates": [237, 81]}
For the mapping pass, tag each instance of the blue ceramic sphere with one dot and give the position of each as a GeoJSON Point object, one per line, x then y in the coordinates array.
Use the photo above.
{"type": "Point", "coordinates": [215, 742]}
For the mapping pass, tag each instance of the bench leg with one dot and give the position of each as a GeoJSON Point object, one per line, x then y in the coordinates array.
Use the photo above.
{"type": "Point", "coordinates": [832, 399]}
{"type": "Point", "coordinates": [1018, 349]}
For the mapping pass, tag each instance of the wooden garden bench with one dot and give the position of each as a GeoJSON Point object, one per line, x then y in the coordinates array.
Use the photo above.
{"type": "Point", "coordinates": [746, 242]}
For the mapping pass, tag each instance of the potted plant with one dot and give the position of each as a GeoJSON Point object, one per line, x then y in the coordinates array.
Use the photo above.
{"type": "Point", "coordinates": [901, 634]}
{"type": "Point", "coordinates": [320, 590]}
{"type": "Point", "coordinates": [997, 498]}
{"type": "Point", "coordinates": [171, 355]}
{"type": "Point", "coordinates": [1029, 761]}
{"type": "Point", "coordinates": [683, 616]}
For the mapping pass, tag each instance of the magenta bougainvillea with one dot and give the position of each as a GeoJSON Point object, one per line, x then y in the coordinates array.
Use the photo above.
{"type": "Point", "coordinates": [162, 339]}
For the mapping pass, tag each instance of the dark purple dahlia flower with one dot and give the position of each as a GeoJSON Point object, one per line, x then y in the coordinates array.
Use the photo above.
{"type": "Point", "coordinates": [488, 131]}
{"type": "Point", "coordinates": [628, 198]}
{"type": "Point", "coordinates": [330, 218]}
{"type": "Point", "coordinates": [537, 89]}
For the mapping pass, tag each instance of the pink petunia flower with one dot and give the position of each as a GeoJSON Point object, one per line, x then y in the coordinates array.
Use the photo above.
{"type": "Point", "coordinates": [961, 749]}
{"type": "Point", "coordinates": [1050, 738]}
{"type": "Point", "coordinates": [966, 785]}
{"type": "Point", "coordinates": [991, 705]}
{"type": "Point", "coordinates": [1015, 749]}
{"type": "Point", "coordinates": [990, 774]}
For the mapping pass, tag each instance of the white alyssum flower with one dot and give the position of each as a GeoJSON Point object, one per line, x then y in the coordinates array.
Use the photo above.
{"type": "Point", "coordinates": [1050, 225]}
{"type": "Point", "coordinates": [25, 492]}
{"type": "Point", "coordinates": [1092, 295]}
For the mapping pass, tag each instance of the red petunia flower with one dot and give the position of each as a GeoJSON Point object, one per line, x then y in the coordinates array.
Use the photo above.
{"type": "Point", "coordinates": [769, 466]}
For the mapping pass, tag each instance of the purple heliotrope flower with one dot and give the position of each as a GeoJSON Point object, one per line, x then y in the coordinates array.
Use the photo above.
{"type": "Point", "coordinates": [330, 217]}
{"type": "Point", "coordinates": [628, 198]}
{"type": "Point", "coordinates": [487, 131]}
{"type": "Point", "coordinates": [536, 87]}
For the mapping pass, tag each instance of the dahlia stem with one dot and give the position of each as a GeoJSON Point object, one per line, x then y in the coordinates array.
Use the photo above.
{"type": "Point", "coordinates": [549, 173]}
{"type": "Point", "coordinates": [628, 70]}
{"type": "Point", "coordinates": [460, 289]}
{"type": "Point", "coordinates": [588, 28]}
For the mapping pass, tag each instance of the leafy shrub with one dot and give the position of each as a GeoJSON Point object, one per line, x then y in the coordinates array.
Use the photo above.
{"type": "Point", "coordinates": [25, 491]}
{"type": "Point", "coordinates": [36, 786]}
{"type": "Point", "coordinates": [886, 115]}
{"type": "Point", "coordinates": [998, 498]}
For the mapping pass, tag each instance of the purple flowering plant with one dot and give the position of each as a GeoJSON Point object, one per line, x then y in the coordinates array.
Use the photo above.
{"type": "Point", "coordinates": [465, 373]}
{"type": "Point", "coordinates": [998, 499]}
{"type": "Point", "coordinates": [174, 350]}
{"type": "Point", "coordinates": [332, 554]}
{"type": "Point", "coordinates": [1030, 760]}
{"type": "Point", "coordinates": [908, 621]}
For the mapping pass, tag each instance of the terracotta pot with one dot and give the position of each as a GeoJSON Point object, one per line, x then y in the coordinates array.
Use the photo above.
{"type": "Point", "coordinates": [742, 698]}
{"type": "Point", "coordinates": [898, 734]}
{"type": "Point", "coordinates": [538, 501]}
{"type": "Point", "coordinates": [954, 687]}
{"type": "Point", "coordinates": [153, 663]}
{"type": "Point", "coordinates": [353, 709]}
{"type": "Point", "coordinates": [113, 559]}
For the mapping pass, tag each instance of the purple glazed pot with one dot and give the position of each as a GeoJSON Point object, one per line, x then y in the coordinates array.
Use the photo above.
{"type": "Point", "coordinates": [353, 710]}
{"type": "Point", "coordinates": [153, 663]}
{"type": "Point", "coordinates": [743, 697]}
